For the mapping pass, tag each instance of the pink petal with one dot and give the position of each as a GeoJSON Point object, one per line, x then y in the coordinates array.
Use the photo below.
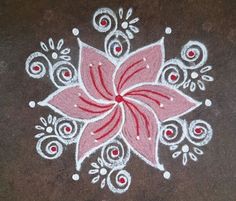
{"type": "Point", "coordinates": [96, 73]}
{"type": "Point", "coordinates": [73, 102]}
{"type": "Point", "coordinates": [165, 101]}
{"type": "Point", "coordinates": [141, 66]}
{"type": "Point", "coordinates": [140, 131]}
{"type": "Point", "coordinates": [97, 133]}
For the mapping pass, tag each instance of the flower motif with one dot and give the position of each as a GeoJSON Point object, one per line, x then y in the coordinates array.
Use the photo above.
{"type": "Point", "coordinates": [57, 51]}
{"type": "Point", "coordinates": [47, 126]}
{"type": "Point", "coordinates": [120, 99]}
{"type": "Point", "coordinates": [98, 172]}
{"type": "Point", "coordinates": [197, 79]}
{"type": "Point", "coordinates": [128, 25]}
{"type": "Point", "coordinates": [185, 151]}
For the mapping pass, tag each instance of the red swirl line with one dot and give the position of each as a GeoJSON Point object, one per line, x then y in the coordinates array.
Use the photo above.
{"type": "Point", "coordinates": [94, 83]}
{"type": "Point", "coordinates": [138, 70]}
{"type": "Point", "coordinates": [102, 80]}
{"type": "Point", "coordinates": [146, 90]}
{"type": "Point", "coordinates": [108, 132]}
{"type": "Point", "coordinates": [106, 124]}
{"type": "Point", "coordinates": [144, 117]}
{"type": "Point", "coordinates": [93, 104]}
{"type": "Point", "coordinates": [91, 111]}
{"type": "Point", "coordinates": [122, 76]}
{"type": "Point", "coordinates": [137, 94]}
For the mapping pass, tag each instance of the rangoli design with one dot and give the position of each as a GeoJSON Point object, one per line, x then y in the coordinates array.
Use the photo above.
{"type": "Point", "coordinates": [120, 103]}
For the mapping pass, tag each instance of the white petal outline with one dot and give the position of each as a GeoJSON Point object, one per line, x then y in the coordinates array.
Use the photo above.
{"type": "Point", "coordinates": [60, 44]}
{"type": "Point", "coordinates": [39, 127]}
{"type": "Point", "coordinates": [198, 151]}
{"type": "Point", "coordinates": [129, 13]}
{"type": "Point", "coordinates": [207, 78]}
{"type": "Point", "coordinates": [133, 21]}
{"type": "Point", "coordinates": [192, 86]}
{"type": "Point", "coordinates": [65, 51]}
{"type": "Point", "coordinates": [95, 179]}
{"type": "Point", "coordinates": [121, 11]}
{"type": "Point", "coordinates": [134, 28]}
{"type": "Point", "coordinates": [192, 156]}
{"type": "Point", "coordinates": [176, 154]}
{"type": "Point", "coordinates": [205, 69]}
{"type": "Point", "coordinates": [201, 85]}
{"type": "Point", "coordinates": [54, 120]}
{"type": "Point", "coordinates": [43, 46]}
{"type": "Point", "coordinates": [39, 135]}
{"type": "Point", "coordinates": [100, 161]}
{"type": "Point", "coordinates": [186, 84]}
{"type": "Point", "coordinates": [49, 119]}
{"type": "Point", "coordinates": [103, 183]}
{"type": "Point", "coordinates": [185, 159]}
{"type": "Point", "coordinates": [43, 120]}
{"type": "Point", "coordinates": [95, 165]}
{"type": "Point", "coordinates": [51, 43]}
{"type": "Point", "coordinates": [173, 147]}
{"type": "Point", "coordinates": [65, 57]}
{"type": "Point", "coordinates": [129, 34]}
{"type": "Point", "coordinates": [93, 171]}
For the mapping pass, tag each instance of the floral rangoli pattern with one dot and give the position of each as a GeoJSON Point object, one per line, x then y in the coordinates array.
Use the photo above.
{"type": "Point", "coordinates": [120, 102]}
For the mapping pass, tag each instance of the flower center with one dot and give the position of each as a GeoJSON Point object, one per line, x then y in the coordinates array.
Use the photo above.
{"type": "Point", "coordinates": [119, 99]}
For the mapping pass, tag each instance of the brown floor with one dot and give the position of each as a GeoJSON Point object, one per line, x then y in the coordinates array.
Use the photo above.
{"type": "Point", "coordinates": [25, 176]}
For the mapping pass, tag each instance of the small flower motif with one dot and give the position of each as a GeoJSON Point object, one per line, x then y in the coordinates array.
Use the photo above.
{"type": "Point", "coordinates": [46, 127]}
{"type": "Point", "coordinates": [99, 171]}
{"type": "Point", "coordinates": [197, 79]}
{"type": "Point", "coordinates": [57, 51]}
{"type": "Point", "coordinates": [185, 151]}
{"type": "Point", "coordinates": [128, 25]}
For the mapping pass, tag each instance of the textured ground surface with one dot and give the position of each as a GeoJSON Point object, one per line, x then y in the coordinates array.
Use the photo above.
{"type": "Point", "coordinates": [25, 176]}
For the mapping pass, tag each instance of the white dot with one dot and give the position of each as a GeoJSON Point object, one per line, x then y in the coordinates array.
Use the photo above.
{"type": "Point", "coordinates": [194, 75]}
{"type": "Point", "coordinates": [168, 30]}
{"type": "Point", "coordinates": [166, 175]}
{"type": "Point", "coordinates": [208, 102]}
{"type": "Point", "coordinates": [185, 148]}
{"type": "Point", "coordinates": [32, 104]}
{"type": "Point", "coordinates": [147, 66]}
{"type": "Point", "coordinates": [49, 129]}
{"type": "Point", "coordinates": [138, 138]}
{"type": "Point", "coordinates": [161, 105]}
{"type": "Point", "coordinates": [54, 55]}
{"type": "Point", "coordinates": [75, 177]}
{"type": "Point", "coordinates": [75, 31]}
{"type": "Point", "coordinates": [124, 25]}
{"type": "Point", "coordinates": [75, 105]}
{"type": "Point", "coordinates": [103, 171]}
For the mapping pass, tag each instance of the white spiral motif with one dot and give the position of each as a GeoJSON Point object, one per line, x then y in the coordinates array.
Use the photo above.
{"type": "Point", "coordinates": [173, 73]}
{"type": "Point", "coordinates": [117, 44]}
{"type": "Point", "coordinates": [195, 54]}
{"type": "Point", "coordinates": [200, 132]}
{"type": "Point", "coordinates": [115, 154]}
{"type": "Point", "coordinates": [102, 20]}
{"type": "Point", "coordinates": [36, 64]}
{"type": "Point", "coordinates": [66, 130]}
{"type": "Point", "coordinates": [63, 73]}
{"type": "Point", "coordinates": [172, 132]}
{"type": "Point", "coordinates": [120, 183]}
{"type": "Point", "coordinates": [49, 147]}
